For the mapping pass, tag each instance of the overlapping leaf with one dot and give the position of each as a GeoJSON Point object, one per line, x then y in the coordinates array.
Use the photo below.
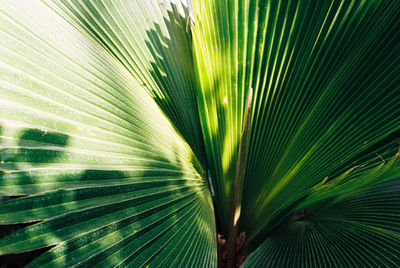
{"type": "Point", "coordinates": [108, 180]}
{"type": "Point", "coordinates": [152, 40]}
{"type": "Point", "coordinates": [111, 180]}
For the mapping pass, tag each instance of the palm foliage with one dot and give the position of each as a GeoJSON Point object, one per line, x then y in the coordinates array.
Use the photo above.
{"type": "Point", "coordinates": [121, 123]}
{"type": "Point", "coordinates": [106, 174]}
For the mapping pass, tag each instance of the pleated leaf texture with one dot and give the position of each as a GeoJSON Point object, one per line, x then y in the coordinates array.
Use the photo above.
{"type": "Point", "coordinates": [121, 121]}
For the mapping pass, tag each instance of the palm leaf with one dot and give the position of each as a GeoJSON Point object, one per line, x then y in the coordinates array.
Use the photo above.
{"type": "Point", "coordinates": [104, 177]}
{"type": "Point", "coordinates": [358, 229]}
{"type": "Point", "coordinates": [113, 119]}
{"type": "Point", "coordinates": [152, 41]}
{"type": "Point", "coordinates": [325, 76]}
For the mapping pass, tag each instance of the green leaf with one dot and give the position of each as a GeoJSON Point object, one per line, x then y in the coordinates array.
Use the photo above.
{"type": "Point", "coordinates": [357, 229]}
{"type": "Point", "coordinates": [356, 177]}
{"type": "Point", "coordinates": [105, 177]}
{"type": "Point", "coordinates": [325, 76]}
{"type": "Point", "coordinates": [115, 113]}
{"type": "Point", "coordinates": [152, 40]}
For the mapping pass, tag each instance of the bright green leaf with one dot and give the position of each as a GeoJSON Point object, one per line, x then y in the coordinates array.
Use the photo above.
{"type": "Point", "coordinates": [325, 76]}
{"type": "Point", "coordinates": [107, 176]}
{"type": "Point", "coordinates": [121, 123]}
{"type": "Point", "coordinates": [151, 39]}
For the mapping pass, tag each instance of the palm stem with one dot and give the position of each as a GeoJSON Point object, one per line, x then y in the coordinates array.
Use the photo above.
{"type": "Point", "coordinates": [236, 198]}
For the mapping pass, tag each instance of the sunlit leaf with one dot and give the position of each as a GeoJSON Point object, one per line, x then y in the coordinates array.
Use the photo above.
{"type": "Point", "coordinates": [325, 76]}
{"type": "Point", "coordinates": [108, 179]}
{"type": "Point", "coordinates": [152, 40]}
{"type": "Point", "coordinates": [121, 123]}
